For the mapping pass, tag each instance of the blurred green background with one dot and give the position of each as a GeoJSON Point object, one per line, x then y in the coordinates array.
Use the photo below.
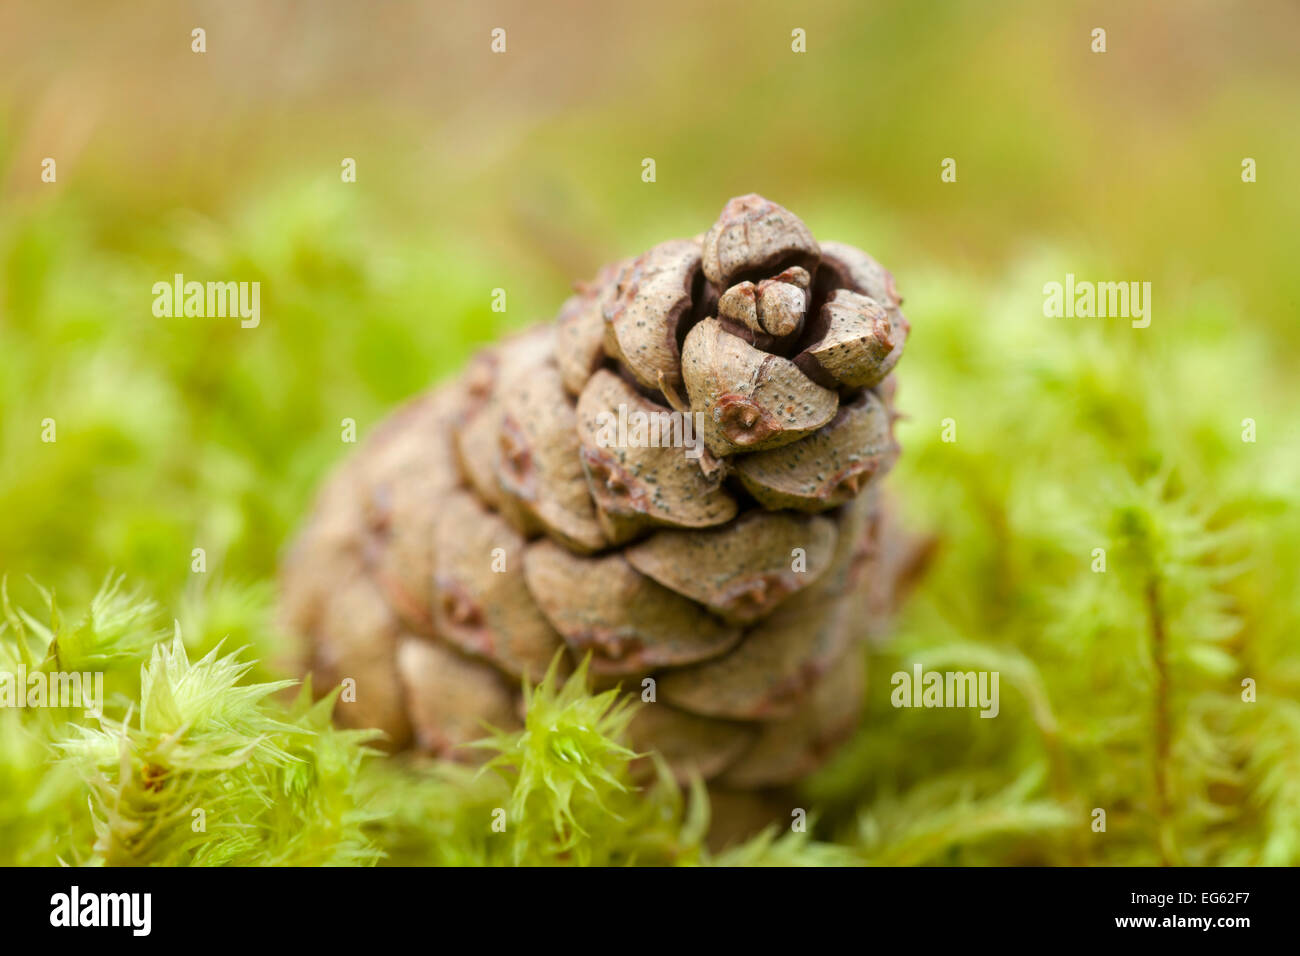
{"type": "Point", "coordinates": [522, 171]}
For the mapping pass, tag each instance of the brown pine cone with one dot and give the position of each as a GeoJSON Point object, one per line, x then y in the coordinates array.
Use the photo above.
{"type": "Point", "coordinates": [679, 476]}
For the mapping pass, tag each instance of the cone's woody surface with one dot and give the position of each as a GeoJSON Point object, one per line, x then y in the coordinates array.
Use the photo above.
{"type": "Point", "coordinates": [489, 523]}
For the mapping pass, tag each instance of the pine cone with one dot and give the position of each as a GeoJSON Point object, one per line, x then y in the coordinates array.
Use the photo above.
{"type": "Point", "coordinates": [528, 506]}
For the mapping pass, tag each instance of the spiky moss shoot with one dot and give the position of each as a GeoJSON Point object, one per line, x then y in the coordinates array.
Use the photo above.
{"type": "Point", "coordinates": [176, 762]}
{"type": "Point", "coordinates": [572, 796]}
{"type": "Point", "coordinates": [208, 770]}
